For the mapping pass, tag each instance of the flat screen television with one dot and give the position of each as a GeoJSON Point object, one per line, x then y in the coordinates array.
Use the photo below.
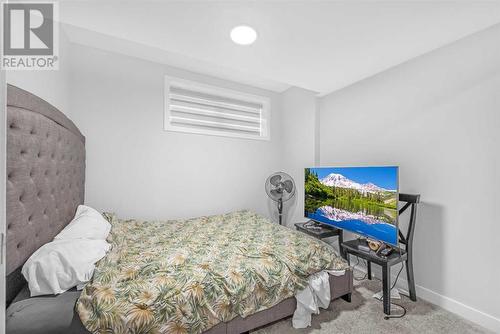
{"type": "Point", "coordinates": [362, 200]}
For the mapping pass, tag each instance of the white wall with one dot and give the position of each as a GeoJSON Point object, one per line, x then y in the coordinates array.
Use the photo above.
{"type": "Point", "coordinates": [438, 118]}
{"type": "Point", "coordinates": [298, 136]}
{"type": "Point", "coordinates": [137, 169]}
{"type": "Point", "coordinates": [52, 86]}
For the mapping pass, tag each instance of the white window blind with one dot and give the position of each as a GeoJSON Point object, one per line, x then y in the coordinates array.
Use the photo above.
{"type": "Point", "coordinates": [198, 108]}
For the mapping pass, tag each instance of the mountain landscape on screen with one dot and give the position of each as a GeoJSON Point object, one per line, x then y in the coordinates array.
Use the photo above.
{"type": "Point", "coordinates": [362, 199]}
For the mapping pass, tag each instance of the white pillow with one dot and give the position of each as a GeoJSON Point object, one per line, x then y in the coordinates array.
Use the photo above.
{"type": "Point", "coordinates": [87, 224]}
{"type": "Point", "coordinates": [62, 264]}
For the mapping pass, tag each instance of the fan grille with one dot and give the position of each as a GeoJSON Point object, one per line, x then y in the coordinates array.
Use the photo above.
{"type": "Point", "coordinates": [280, 186]}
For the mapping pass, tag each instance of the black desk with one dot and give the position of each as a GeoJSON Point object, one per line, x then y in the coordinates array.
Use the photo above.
{"type": "Point", "coordinates": [397, 256]}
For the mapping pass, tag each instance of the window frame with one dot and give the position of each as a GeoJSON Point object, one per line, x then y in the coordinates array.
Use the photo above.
{"type": "Point", "coordinates": [265, 117]}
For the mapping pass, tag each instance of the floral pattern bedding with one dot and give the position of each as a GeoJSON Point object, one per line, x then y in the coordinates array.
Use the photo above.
{"type": "Point", "coordinates": [186, 276]}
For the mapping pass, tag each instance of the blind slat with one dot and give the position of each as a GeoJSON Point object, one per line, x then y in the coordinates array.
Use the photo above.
{"type": "Point", "coordinates": [212, 124]}
{"type": "Point", "coordinates": [217, 114]}
{"type": "Point", "coordinates": [212, 103]}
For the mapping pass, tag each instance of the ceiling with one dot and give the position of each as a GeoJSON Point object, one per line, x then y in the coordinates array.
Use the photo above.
{"type": "Point", "coordinates": [321, 46]}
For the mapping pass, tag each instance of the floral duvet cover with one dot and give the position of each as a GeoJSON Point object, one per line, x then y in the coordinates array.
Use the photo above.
{"type": "Point", "coordinates": [186, 276]}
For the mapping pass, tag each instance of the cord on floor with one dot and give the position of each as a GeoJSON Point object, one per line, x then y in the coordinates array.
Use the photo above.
{"type": "Point", "coordinates": [386, 317]}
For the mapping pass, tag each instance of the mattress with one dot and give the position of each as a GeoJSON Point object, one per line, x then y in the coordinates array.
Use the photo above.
{"type": "Point", "coordinates": [190, 275]}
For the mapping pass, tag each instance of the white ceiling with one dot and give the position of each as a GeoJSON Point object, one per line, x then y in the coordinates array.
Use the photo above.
{"type": "Point", "coordinates": [320, 46]}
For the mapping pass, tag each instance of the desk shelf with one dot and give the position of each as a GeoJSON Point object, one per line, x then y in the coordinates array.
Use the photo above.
{"type": "Point", "coordinates": [352, 247]}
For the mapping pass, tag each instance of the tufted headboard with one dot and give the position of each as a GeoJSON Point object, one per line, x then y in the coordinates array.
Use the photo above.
{"type": "Point", "coordinates": [45, 178]}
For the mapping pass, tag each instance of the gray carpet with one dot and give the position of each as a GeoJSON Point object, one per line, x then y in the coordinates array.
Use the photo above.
{"type": "Point", "coordinates": [365, 315]}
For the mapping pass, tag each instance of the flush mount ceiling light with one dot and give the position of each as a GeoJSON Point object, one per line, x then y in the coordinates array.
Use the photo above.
{"type": "Point", "coordinates": [243, 35]}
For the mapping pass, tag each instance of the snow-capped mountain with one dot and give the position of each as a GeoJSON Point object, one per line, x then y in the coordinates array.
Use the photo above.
{"type": "Point", "coordinates": [339, 180]}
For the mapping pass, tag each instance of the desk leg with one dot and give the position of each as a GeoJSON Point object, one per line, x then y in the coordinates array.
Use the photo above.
{"type": "Point", "coordinates": [386, 282]}
{"type": "Point", "coordinates": [341, 240]}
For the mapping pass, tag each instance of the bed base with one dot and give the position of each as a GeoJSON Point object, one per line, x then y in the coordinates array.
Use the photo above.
{"type": "Point", "coordinates": [340, 287]}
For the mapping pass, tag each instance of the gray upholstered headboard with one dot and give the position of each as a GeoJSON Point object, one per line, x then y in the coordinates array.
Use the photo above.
{"type": "Point", "coordinates": [45, 178]}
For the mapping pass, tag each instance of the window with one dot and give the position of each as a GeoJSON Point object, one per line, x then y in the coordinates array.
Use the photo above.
{"type": "Point", "coordinates": [197, 108]}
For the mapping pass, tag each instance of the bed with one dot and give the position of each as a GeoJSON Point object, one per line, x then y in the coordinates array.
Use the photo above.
{"type": "Point", "coordinates": [45, 184]}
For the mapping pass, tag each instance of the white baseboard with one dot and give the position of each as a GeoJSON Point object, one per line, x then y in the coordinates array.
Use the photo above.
{"type": "Point", "coordinates": [479, 317]}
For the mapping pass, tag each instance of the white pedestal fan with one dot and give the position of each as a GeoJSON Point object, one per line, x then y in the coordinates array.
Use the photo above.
{"type": "Point", "coordinates": [280, 187]}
